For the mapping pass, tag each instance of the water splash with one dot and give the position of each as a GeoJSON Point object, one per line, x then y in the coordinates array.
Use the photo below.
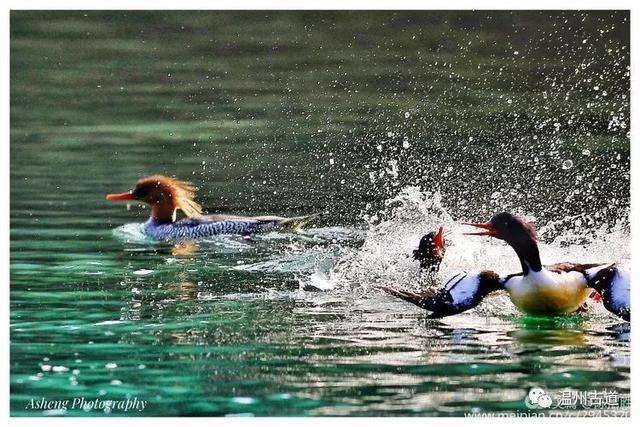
{"type": "Point", "coordinates": [350, 262]}
{"type": "Point", "coordinates": [384, 258]}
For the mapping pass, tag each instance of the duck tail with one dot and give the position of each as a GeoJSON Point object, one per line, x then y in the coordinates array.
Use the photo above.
{"type": "Point", "coordinates": [297, 222]}
{"type": "Point", "coordinates": [424, 299]}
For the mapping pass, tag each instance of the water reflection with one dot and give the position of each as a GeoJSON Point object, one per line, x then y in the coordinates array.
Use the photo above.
{"type": "Point", "coordinates": [343, 113]}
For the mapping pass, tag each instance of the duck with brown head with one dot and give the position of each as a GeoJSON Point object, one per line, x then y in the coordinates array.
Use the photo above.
{"type": "Point", "coordinates": [167, 196]}
{"type": "Point", "coordinates": [559, 288]}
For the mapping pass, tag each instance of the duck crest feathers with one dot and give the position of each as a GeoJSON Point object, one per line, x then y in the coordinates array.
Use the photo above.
{"type": "Point", "coordinates": [182, 194]}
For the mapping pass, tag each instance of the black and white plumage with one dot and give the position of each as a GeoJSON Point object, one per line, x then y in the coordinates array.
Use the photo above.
{"type": "Point", "coordinates": [558, 288]}
{"type": "Point", "coordinates": [464, 291]}
{"type": "Point", "coordinates": [459, 293]}
{"type": "Point", "coordinates": [550, 289]}
{"type": "Point", "coordinates": [614, 286]}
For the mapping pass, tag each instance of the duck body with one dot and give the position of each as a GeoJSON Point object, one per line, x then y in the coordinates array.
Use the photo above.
{"type": "Point", "coordinates": [461, 292]}
{"type": "Point", "coordinates": [614, 285]}
{"type": "Point", "coordinates": [559, 288]}
{"type": "Point", "coordinates": [167, 195]}
{"type": "Point", "coordinates": [213, 225]}
{"type": "Point", "coordinates": [548, 293]}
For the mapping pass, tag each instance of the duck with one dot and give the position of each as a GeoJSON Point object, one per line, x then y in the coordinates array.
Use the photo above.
{"type": "Point", "coordinates": [462, 291]}
{"type": "Point", "coordinates": [167, 195]}
{"type": "Point", "coordinates": [431, 250]}
{"type": "Point", "coordinates": [555, 289]}
{"type": "Point", "coordinates": [465, 290]}
{"type": "Point", "coordinates": [458, 293]}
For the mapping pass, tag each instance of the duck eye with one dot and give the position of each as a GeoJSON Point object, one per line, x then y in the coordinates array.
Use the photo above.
{"type": "Point", "coordinates": [140, 191]}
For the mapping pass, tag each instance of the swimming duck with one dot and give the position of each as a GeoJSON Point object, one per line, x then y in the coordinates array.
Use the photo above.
{"type": "Point", "coordinates": [558, 288]}
{"type": "Point", "coordinates": [167, 195]}
{"type": "Point", "coordinates": [461, 292]}
{"type": "Point", "coordinates": [431, 250]}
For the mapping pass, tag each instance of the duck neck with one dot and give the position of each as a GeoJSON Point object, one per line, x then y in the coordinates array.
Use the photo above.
{"type": "Point", "coordinates": [529, 255]}
{"type": "Point", "coordinates": [163, 211]}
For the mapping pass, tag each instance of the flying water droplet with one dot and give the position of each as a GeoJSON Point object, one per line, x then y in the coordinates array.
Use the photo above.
{"type": "Point", "coordinates": [567, 164]}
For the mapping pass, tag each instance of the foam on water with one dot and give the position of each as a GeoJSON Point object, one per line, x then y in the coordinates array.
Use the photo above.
{"type": "Point", "coordinates": [305, 251]}
{"type": "Point", "coordinates": [132, 233]}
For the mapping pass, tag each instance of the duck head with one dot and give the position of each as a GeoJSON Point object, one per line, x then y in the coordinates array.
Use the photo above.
{"type": "Point", "coordinates": [430, 250]}
{"type": "Point", "coordinates": [517, 233]}
{"type": "Point", "coordinates": [165, 195]}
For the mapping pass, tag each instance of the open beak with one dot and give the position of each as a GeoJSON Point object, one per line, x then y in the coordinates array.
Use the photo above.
{"type": "Point", "coordinates": [490, 230]}
{"type": "Point", "coordinates": [121, 196]}
{"type": "Point", "coordinates": [438, 241]}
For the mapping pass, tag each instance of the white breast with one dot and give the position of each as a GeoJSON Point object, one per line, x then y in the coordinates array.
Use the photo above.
{"type": "Point", "coordinates": [545, 279]}
{"type": "Point", "coordinates": [544, 292]}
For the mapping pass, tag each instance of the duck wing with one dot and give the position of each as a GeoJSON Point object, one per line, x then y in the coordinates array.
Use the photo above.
{"type": "Point", "coordinates": [459, 293]}
{"type": "Point", "coordinates": [292, 223]}
{"type": "Point", "coordinates": [566, 267]}
{"type": "Point", "coordinates": [226, 217]}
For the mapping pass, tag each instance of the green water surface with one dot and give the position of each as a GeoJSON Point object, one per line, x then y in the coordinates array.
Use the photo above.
{"type": "Point", "coordinates": [290, 113]}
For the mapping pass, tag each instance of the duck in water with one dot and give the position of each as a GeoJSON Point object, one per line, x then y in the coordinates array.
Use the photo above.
{"type": "Point", "coordinates": [559, 288]}
{"type": "Point", "coordinates": [553, 289]}
{"type": "Point", "coordinates": [167, 195]}
{"type": "Point", "coordinates": [430, 251]}
{"type": "Point", "coordinates": [459, 293]}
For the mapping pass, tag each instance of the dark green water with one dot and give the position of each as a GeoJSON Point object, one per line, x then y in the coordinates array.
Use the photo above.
{"type": "Point", "coordinates": [290, 113]}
